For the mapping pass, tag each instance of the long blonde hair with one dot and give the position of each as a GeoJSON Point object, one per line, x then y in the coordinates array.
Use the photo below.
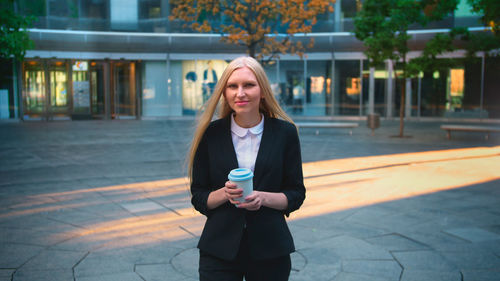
{"type": "Point", "coordinates": [269, 106]}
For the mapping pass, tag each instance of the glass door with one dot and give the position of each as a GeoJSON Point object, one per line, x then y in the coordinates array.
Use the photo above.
{"type": "Point", "coordinates": [96, 71]}
{"type": "Point", "coordinates": [34, 91]}
{"type": "Point", "coordinates": [123, 96]}
{"type": "Point", "coordinates": [59, 102]}
{"type": "Point", "coordinates": [81, 90]}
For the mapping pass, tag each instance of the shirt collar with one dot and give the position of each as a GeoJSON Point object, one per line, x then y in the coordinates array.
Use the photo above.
{"type": "Point", "coordinates": [241, 132]}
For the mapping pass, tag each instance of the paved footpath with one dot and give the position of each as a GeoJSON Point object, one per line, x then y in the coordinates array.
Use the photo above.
{"type": "Point", "coordinates": [108, 200]}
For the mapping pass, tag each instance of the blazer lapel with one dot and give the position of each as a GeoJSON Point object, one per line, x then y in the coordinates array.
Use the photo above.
{"type": "Point", "coordinates": [265, 148]}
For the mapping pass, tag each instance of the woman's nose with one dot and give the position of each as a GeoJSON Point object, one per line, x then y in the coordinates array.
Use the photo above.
{"type": "Point", "coordinates": [240, 91]}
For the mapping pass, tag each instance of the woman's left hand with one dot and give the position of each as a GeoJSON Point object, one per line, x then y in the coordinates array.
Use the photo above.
{"type": "Point", "coordinates": [253, 202]}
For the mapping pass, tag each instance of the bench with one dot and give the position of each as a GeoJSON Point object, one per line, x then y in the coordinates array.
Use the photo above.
{"type": "Point", "coordinates": [470, 128]}
{"type": "Point", "coordinates": [327, 125]}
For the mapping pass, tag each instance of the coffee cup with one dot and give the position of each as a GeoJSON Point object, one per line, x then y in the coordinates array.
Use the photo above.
{"type": "Point", "coordinates": [243, 178]}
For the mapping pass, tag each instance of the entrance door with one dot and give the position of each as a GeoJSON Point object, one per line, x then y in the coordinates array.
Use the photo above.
{"type": "Point", "coordinates": [34, 90]}
{"type": "Point", "coordinates": [123, 96]}
{"type": "Point", "coordinates": [97, 90]}
{"type": "Point", "coordinates": [59, 101]}
{"type": "Point", "coordinates": [45, 90]}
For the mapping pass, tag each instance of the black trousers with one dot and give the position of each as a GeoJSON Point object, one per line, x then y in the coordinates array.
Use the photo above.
{"type": "Point", "coordinates": [216, 269]}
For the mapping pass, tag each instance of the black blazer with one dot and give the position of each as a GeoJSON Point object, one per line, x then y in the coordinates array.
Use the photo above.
{"type": "Point", "coordinates": [278, 168]}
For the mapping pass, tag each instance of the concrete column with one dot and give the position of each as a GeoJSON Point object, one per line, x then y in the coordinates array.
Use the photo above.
{"type": "Point", "coordinates": [419, 96]}
{"type": "Point", "coordinates": [332, 85]}
{"type": "Point", "coordinates": [389, 92]}
{"type": "Point", "coordinates": [482, 88]}
{"type": "Point", "coordinates": [371, 92]}
{"type": "Point", "coordinates": [337, 10]}
{"type": "Point", "coordinates": [18, 97]}
{"type": "Point", "coordinates": [408, 98]}
{"type": "Point", "coordinates": [361, 87]}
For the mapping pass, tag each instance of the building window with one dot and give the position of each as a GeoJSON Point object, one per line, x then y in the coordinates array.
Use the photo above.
{"type": "Point", "coordinates": [318, 88]}
{"type": "Point", "coordinates": [347, 87]}
{"type": "Point", "coordinates": [199, 78]}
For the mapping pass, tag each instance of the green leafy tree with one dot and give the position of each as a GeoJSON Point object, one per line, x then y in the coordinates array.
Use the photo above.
{"type": "Point", "coordinates": [490, 9]}
{"type": "Point", "coordinates": [428, 63]}
{"type": "Point", "coordinates": [383, 26]}
{"type": "Point", "coordinates": [14, 38]}
{"type": "Point", "coordinates": [265, 28]}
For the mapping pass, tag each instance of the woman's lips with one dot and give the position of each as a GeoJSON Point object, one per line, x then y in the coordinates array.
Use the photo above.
{"type": "Point", "coordinates": [241, 103]}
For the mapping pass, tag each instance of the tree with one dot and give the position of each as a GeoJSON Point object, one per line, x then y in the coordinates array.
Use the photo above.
{"type": "Point", "coordinates": [383, 26]}
{"type": "Point", "coordinates": [14, 38]}
{"type": "Point", "coordinates": [490, 9]}
{"type": "Point", "coordinates": [265, 28]}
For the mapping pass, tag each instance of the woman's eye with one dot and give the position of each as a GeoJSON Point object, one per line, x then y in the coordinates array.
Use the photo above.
{"type": "Point", "coordinates": [231, 86]}
{"type": "Point", "coordinates": [249, 85]}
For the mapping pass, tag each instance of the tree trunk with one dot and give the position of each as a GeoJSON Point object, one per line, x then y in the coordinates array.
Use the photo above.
{"type": "Point", "coordinates": [251, 50]}
{"type": "Point", "coordinates": [402, 108]}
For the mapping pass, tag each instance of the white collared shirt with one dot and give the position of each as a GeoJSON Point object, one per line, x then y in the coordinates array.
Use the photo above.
{"type": "Point", "coordinates": [246, 142]}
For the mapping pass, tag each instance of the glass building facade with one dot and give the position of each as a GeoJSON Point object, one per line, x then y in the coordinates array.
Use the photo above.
{"type": "Point", "coordinates": [110, 59]}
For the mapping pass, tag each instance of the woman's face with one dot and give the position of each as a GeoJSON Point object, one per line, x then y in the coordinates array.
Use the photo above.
{"type": "Point", "coordinates": [242, 93]}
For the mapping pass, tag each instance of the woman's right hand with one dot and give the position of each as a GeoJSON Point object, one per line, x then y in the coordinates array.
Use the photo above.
{"type": "Point", "coordinates": [232, 193]}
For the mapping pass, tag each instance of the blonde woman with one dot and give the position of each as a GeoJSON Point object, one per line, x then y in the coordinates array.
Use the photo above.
{"type": "Point", "coordinates": [249, 239]}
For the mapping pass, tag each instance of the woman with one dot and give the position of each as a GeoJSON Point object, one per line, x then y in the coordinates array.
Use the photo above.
{"type": "Point", "coordinates": [249, 239]}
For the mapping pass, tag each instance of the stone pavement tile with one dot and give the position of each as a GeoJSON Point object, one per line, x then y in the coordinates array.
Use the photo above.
{"type": "Point", "coordinates": [54, 259]}
{"type": "Point", "coordinates": [14, 255]}
{"type": "Point", "coordinates": [299, 261]}
{"type": "Point", "coordinates": [492, 228]}
{"type": "Point", "coordinates": [23, 201]}
{"type": "Point", "coordinates": [6, 273]}
{"type": "Point", "coordinates": [387, 269]}
{"type": "Point", "coordinates": [75, 217]}
{"type": "Point", "coordinates": [321, 256]}
{"type": "Point", "coordinates": [350, 248]}
{"type": "Point", "coordinates": [181, 207]}
{"type": "Point", "coordinates": [160, 272]}
{"type": "Point", "coordinates": [81, 242]}
{"type": "Point", "coordinates": [143, 254]}
{"type": "Point", "coordinates": [37, 222]}
{"type": "Point", "coordinates": [359, 231]}
{"type": "Point", "coordinates": [32, 237]}
{"type": "Point", "coordinates": [478, 199]}
{"type": "Point", "coordinates": [369, 214]}
{"type": "Point", "coordinates": [194, 226]}
{"type": "Point", "coordinates": [423, 260]}
{"type": "Point", "coordinates": [473, 260]}
{"type": "Point", "coordinates": [44, 275]}
{"type": "Point", "coordinates": [124, 276]}
{"type": "Point", "coordinates": [481, 275]}
{"type": "Point", "coordinates": [129, 239]}
{"type": "Point", "coordinates": [434, 239]}
{"type": "Point", "coordinates": [140, 206]}
{"type": "Point", "coordinates": [323, 224]}
{"type": "Point", "coordinates": [108, 210]}
{"type": "Point", "coordinates": [424, 275]}
{"type": "Point", "coordinates": [316, 272]}
{"type": "Point", "coordinates": [473, 234]}
{"type": "Point", "coordinates": [347, 276]}
{"type": "Point", "coordinates": [304, 236]}
{"type": "Point", "coordinates": [101, 182]}
{"type": "Point", "coordinates": [396, 242]}
{"type": "Point", "coordinates": [186, 262]}
{"type": "Point", "coordinates": [124, 196]}
{"type": "Point", "coordinates": [100, 265]}
{"type": "Point", "coordinates": [385, 218]}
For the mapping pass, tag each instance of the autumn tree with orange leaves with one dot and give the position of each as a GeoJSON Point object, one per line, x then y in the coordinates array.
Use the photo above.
{"type": "Point", "coordinates": [266, 28]}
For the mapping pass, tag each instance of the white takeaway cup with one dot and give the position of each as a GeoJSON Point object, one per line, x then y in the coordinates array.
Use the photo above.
{"type": "Point", "coordinates": [243, 178]}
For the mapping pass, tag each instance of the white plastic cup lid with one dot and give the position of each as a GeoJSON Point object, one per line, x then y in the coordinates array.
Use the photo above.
{"type": "Point", "coordinates": [240, 174]}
